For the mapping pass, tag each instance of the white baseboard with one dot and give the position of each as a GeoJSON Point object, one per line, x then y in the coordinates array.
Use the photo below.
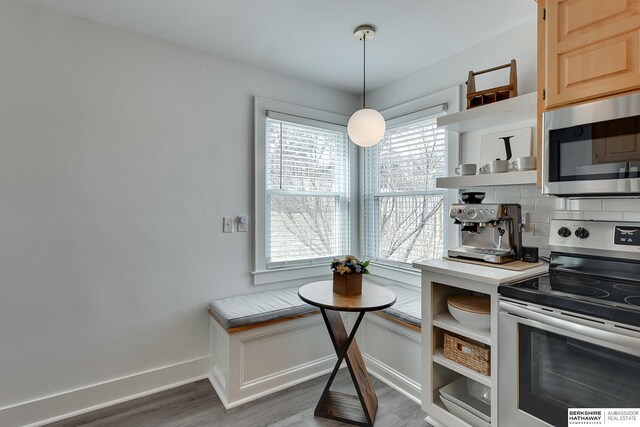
{"type": "Point", "coordinates": [434, 423]}
{"type": "Point", "coordinates": [90, 398]}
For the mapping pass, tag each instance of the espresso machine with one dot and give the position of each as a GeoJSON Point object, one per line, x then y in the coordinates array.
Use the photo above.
{"type": "Point", "coordinates": [488, 232]}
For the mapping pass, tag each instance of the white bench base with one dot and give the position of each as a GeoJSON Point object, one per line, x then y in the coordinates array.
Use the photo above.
{"type": "Point", "coordinates": [258, 361]}
{"type": "Point", "coordinates": [253, 363]}
{"type": "Point", "coordinates": [392, 354]}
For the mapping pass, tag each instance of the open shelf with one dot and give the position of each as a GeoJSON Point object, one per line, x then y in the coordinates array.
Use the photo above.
{"type": "Point", "coordinates": [490, 179]}
{"type": "Point", "coordinates": [438, 357]}
{"type": "Point", "coordinates": [446, 321]}
{"type": "Point", "coordinates": [498, 113]}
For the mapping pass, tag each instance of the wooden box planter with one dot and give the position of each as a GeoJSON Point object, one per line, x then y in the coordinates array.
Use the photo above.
{"type": "Point", "coordinates": [347, 284]}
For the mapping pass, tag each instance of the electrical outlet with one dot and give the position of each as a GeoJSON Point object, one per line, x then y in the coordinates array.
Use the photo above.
{"type": "Point", "coordinates": [243, 223]}
{"type": "Point", "coordinates": [227, 224]}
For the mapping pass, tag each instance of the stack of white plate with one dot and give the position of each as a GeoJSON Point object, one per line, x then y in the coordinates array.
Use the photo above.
{"type": "Point", "coordinates": [468, 400]}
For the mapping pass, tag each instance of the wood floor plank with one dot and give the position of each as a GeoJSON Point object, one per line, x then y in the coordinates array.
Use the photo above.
{"type": "Point", "coordinates": [197, 405]}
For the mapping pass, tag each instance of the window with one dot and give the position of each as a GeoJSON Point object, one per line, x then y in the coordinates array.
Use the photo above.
{"type": "Point", "coordinates": [403, 211]}
{"type": "Point", "coordinates": [308, 175]}
{"type": "Point", "coordinates": [305, 181]}
{"type": "Point", "coordinates": [307, 190]}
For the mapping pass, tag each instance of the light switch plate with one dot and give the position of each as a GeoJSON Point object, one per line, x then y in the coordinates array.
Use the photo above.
{"type": "Point", "coordinates": [243, 223]}
{"type": "Point", "coordinates": [227, 224]}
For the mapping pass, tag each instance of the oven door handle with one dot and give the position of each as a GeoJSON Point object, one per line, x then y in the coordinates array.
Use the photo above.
{"type": "Point", "coordinates": [622, 337]}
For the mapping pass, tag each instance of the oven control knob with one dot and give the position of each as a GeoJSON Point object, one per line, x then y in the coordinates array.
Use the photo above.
{"type": "Point", "coordinates": [582, 233]}
{"type": "Point", "coordinates": [564, 232]}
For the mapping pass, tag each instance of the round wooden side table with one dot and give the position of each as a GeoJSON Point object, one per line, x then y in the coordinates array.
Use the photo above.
{"type": "Point", "coordinates": [360, 410]}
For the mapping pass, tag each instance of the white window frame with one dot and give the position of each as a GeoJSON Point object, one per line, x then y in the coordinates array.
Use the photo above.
{"type": "Point", "coordinates": [401, 272]}
{"type": "Point", "coordinates": [262, 274]}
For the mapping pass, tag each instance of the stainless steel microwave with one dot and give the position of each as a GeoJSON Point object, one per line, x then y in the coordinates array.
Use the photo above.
{"type": "Point", "coordinates": [593, 149]}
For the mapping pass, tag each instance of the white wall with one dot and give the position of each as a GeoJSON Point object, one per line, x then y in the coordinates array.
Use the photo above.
{"type": "Point", "coordinates": [119, 155]}
{"type": "Point", "coordinates": [518, 43]}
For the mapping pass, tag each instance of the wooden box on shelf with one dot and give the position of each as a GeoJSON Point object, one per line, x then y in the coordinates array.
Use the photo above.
{"type": "Point", "coordinates": [347, 284]}
{"type": "Point", "coordinates": [473, 355]}
{"type": "Point", "coordinates": [488, 96]}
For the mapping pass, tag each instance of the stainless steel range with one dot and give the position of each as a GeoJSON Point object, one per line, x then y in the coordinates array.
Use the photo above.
{"type": "Point", "coordinates": [571, 338]}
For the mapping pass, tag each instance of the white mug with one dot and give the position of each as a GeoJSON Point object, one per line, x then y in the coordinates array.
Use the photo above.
{"type": "Point", "coordinates": [495, 166]}
{"type": "Point", "coordinates": [523, 164]}
{"type": "Point", "coordinates": [466, 169]}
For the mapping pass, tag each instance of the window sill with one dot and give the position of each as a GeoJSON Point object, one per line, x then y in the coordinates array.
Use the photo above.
{"type": "Point", "coordinates": [405, 275]}
{"type": "Point", "coordinates": [290, 274]}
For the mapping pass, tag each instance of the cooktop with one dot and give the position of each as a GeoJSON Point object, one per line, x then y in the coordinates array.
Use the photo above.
{"type": "Point", "coordinates": [594, 270]}
{"type": "Point", "coordinates": [614, 300]}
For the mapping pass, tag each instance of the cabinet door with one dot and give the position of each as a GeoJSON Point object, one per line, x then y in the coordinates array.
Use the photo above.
{"type": "Point", "coordinates": [592, 49]}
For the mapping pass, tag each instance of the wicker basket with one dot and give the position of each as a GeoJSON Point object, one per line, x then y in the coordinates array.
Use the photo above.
{"type": "Point", "coordinates": [473, 355]}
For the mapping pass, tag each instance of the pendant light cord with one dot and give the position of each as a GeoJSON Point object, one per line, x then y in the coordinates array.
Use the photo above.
{"type": "Point", "coordinates": [364, 70]}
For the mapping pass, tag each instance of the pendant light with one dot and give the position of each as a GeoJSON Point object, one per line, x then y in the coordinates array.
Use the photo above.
{"type": "Point", "coordinates": [366, 126]}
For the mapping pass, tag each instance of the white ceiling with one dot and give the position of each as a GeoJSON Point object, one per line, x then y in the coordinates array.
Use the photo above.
{"type": "Point", "coordinates": [312, 39]}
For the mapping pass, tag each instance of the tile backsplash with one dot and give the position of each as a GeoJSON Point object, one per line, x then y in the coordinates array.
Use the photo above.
{"type": "Point", "coordinates": [538, 210]}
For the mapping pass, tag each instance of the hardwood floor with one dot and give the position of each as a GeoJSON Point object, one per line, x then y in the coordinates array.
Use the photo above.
{"type": "Point", "coordinates": [197, 404]}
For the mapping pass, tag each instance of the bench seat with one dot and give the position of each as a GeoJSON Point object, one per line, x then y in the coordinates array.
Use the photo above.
{"type": "Point", "coordinates": [265, 342]}
{"type": "Point", "coordinates": [407, 307]}
{"type": "Point", "coordinates": [261, 307]}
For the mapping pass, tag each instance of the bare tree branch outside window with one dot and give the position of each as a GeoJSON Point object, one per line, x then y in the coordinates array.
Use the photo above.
{"type": "Point", "coordinates": [403, 209]}
{"type": "Point", "coordinates": [307, 192]}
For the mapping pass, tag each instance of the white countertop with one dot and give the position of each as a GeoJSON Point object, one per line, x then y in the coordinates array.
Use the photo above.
{"type": "Point", "coordinates": [479, 273]}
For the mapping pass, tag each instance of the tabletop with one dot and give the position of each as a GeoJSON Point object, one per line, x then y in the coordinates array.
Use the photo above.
{"type": "Point", "coordinates": [373, 297]}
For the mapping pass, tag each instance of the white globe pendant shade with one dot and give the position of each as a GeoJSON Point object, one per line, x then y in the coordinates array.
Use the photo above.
{"type": "Point", "coordinates": [366, 127]}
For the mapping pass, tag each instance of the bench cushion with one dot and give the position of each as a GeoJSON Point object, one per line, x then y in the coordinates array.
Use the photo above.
{"type": "Point", "coordinates": [407, 307]}
{"type": "Point", "coordinates": [250, 309]}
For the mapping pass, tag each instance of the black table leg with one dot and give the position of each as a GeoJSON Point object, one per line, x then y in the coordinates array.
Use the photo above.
{"type": "Point", "coordinates": [360, 410]}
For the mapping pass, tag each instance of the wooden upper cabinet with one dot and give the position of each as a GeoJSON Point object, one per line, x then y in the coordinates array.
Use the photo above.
{"type": "Point", "coordinates": [591, 49]}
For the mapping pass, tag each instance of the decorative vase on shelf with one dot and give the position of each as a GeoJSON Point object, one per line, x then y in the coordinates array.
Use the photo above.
{"type": "Point", "coordinates": [347, 275]}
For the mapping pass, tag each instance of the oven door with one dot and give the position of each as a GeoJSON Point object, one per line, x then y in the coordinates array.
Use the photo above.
{"type": "Point", "coordinates": [593, 148]}
{"type": "Point", "coordinates": [550, 362]}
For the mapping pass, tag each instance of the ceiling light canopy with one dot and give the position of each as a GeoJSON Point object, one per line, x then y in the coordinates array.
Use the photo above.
{"type": "Point", "coordinates": [366, 126]}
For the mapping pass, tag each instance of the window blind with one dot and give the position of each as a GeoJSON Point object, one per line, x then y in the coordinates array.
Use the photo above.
{"type": "Point", "coordinates": [403, 213]}
{"type": "Point", "coordinates": [307, 194]}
